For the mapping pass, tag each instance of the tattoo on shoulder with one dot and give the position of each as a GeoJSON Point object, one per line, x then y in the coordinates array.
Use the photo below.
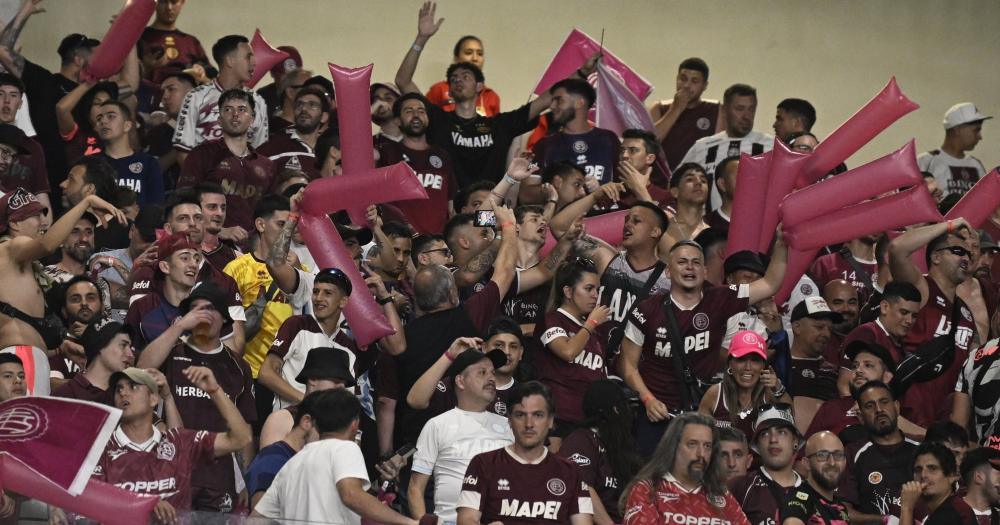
{"type": "Point", "coordinates": [483, 261]}
{"type": "Point", "coordinates": [585, 246]}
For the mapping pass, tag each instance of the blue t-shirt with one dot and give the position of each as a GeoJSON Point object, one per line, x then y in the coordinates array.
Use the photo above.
{"type": "Point", "coordinates": [265, 466]}
{"type": "Point", "coordinates": [141, 173]}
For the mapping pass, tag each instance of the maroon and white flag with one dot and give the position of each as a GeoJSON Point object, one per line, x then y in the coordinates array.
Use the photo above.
{"type": "Point", "coordinates": [59, 439]}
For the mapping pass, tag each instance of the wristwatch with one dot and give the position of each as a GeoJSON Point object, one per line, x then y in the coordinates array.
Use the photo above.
{"type": "Point", "coordinates": [385, 300]}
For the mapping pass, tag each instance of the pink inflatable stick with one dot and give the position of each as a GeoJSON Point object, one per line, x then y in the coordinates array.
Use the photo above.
{"type": "Point", "coordinates": [265, 57]}
{"type": "Point", "coordinates": [981, 201]}
{"type": "Point", "coordinates": [748, 203]}
{"type": "Point", "coordinates": [121, 37]}
{"type": "Point", "coordinates": [782, 172]}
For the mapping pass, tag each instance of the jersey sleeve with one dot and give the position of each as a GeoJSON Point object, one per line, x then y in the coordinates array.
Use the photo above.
{"type": "Point", "coordinates": [552, 333]}
{"type": "Point", "coordinates": [635, 324]}
{"type": "Point", "coordinates": [799, 505]}
{"type": "Point", "coordinates": [482, 307]}
{"type": "Point", "coordinates": [471, 496]}
{"type": "Point", "coordinates": [577, 448]}
{"type": "Point", "coordinates": [283, 338]}
{"type": "Point", "coordinates": [427, 450]}
{"type": "Point", "coordinates": [203, 446]}
{"type": "Point", "coordinates": [186, 132]}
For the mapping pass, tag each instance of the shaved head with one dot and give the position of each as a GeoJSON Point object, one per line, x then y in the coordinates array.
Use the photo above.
{"type": "Point", "coordinates": [842, 297]}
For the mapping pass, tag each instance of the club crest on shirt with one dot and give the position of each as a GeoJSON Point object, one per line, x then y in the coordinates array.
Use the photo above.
{"type": "Point", "coordinates": [556, 486]}
{"type": "Point", "coordinates": [166, 451]}
{"type": "Point", "coordinates": [135, 167]}
{"type": "Point", "coordinates": [435, 161]}
{"type": "Point", "coordinates": [875, 478]}
{"type": "Point", "coordinates": [966, 314]}
{"type": "Point", "coordinates": [441, 387]}
{"type": "Point", "coordinates": [580, 146]}
{"type": "Point", "coordinates": [500, 407]}
{"type": "Point", "coordinates": [703, 123]}
{"type": "Point", "coordinates": [808, 373]}
{"type": "Point", "coordinates": [700, 321]}
{"type": "Point", "coordinates": [717, 501]}
{"type": "Point", "coordinates": [661, 332]}
{"type": "Point", "coordinates": [806, 289]}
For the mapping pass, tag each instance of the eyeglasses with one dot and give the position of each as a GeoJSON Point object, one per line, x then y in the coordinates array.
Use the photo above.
{"type": "Point", "coordinates": [825, 455]}
{"type": "Point", "coordinates": [444, 251]}
{"type": "Point", "coordinates": [956, 250]}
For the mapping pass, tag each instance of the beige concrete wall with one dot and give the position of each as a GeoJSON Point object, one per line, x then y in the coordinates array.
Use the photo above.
{"type": "Point", "coordinates": [835, 54]}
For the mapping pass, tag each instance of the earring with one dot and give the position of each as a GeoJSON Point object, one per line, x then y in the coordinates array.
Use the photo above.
{"type": "Point", "coordinates": [729, 370]}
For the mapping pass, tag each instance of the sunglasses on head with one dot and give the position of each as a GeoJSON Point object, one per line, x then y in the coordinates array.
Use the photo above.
{"type": "Point", "coordinates": [336, 272]}
{"type": "Point", "coordinates": [956, 250]}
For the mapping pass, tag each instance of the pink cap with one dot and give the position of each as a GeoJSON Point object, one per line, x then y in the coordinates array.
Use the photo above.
{"type": "Point", "coordinates": [747, 342]}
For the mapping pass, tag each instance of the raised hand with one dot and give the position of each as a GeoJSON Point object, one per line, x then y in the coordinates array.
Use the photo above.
{"type": "Point", "coordinates": [521, 168]}
{"type": "Point", "coordinates": [202, 377]}
{"type": "Point", "coordinates": [426, 26]}
{"type": "Point", "coordinates": [102, 208]}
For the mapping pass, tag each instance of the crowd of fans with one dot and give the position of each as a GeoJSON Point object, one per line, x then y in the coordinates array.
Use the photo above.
{"type": "Point", "coordinates": [537, 374]}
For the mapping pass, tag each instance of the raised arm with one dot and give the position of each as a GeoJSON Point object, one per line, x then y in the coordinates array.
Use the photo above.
{"type": "Point", "coordinates": [277, 261]}
{"type": "Point", "coordinates": [902, 247]}
{"type": "Point", "coordinates": [426, 27]}
{"type": "Point", "coordinates": [544, 272]}
{"type": "Point", "coordinates": [157, 351]}
{"type": "Point", "coordinates": [504, 268]}
{"type": "Point", "coordinates": [544, 100]}
{"type": "Point", "coordinates": [419, 396]}
{"type": "Point", "coordinates": [518, 170]}
{"type": "Point", "coordinates": [769, 285]}
{"type": "Point", "coordinates": [394, 343]}
{"type": "Point", "coordinates": [238, 434]}
{"type": "Point", "coordinates": [10, 34]}
{"type": "Point", "coordinates": [24, 249]}
{"type": "Point", "coordinates": [64, 108]}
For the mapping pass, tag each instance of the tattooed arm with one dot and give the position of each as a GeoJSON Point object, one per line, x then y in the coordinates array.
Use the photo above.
{"type": "Point", "coordinates": [595, 249]}
{"type": "Point", "coordinates": [10, 34]}
{"type": "Point", "coordinates": [277, 261]}
{"type": "Point", "coordinates": [477, 266]}
{"type": "Point", "coordinates": [544, 271]}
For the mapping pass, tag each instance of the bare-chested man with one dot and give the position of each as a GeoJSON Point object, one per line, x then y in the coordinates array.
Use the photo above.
{"type": "Point", "coordinates": [23, 330]}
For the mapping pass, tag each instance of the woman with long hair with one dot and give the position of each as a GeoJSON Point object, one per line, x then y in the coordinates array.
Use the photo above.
{"type": "Point", "coordinates": [603, 448]}
{"type": "Point", "coordinates": [747, 384]}
{"type": "Point", "coordinates": [572, 355]}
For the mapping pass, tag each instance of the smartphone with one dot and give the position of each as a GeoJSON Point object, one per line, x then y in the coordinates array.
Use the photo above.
{"type": "Point", "coordinates": [485, 218]}
{"type": "Point", "coordinates": [406, 451]}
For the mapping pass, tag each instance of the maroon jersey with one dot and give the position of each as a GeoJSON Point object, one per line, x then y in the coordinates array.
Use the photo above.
{"type": "Point", "coordinates": [160, 467]}
{"type": "Point", "coordinates": [760, 496]}
{"type": "Point", "coordinates": [245, 180]}
{"type": "Point", "coordinates": [178, 48]}
{"type": "Point", "coordinates": [508, 489]}
{"type": "Point", "coordinates": [693, 124]}
{"type": "Point", "coordinates": [742, 420]}
{"type": "Point", "coordinates": [813, 377]}
{"type": "Point", "coordinates": [924, 402]}
{"type": "Point", "coordinates": [836, 266]}
{"type": "Point", "coordinates": [214, 483]}
{"type": "Point", "coordinates": [585, 448]}
{"type": "Point", "coordinates": [568, 380]}
{"type": "Point", "coordinates": [835, 415]}
{"type": "Point", "coordinates": [145, 280]}
{"type": "Point", "coordinates": [287, 151]}
{"type": "Point", "coordinates": [434, 171]}
{"type": "Point", "coordinates": [28, 171]}
{"type": "Point", "coordinates": [594, 152]}
{"type": "Point", "coordinates": [872, 333]}
{"type": "Point", "coordinates": [80, 388]}
{"type": "Point", "coordinates": [666, 502]}
{"type": "Point", "coordinates": [222, 255]}
{"type": "Point", "coordinates": [702, 329]}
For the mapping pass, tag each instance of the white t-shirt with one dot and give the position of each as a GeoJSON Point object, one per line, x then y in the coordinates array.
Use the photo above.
{"type": "Point", "coordinates": [710, 151]}
{"type": "Point", "coordinates": [446, 446]}
{"type": "Point", "coordinates": [305, 488]}
{"type": "Point", "coordinates": [952, 175]}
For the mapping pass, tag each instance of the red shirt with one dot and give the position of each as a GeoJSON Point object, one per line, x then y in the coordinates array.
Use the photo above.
{"type": "Point", "coordinates": [433, 169]}
{"type": "Point", "coordinates": [872, 333]}
{"type": "Point", "coordinates": [835, 266]}
{"type": "Point", "coordinates": [667, 502]}
{"type": "Point", "coordinates": [80, 388]}
{"type": "Point", "coordinates": [487, 103]}
{"type": "Point", "coordinates": [693, 124]}
{"type": "Point", "coordinates": [245, 180]}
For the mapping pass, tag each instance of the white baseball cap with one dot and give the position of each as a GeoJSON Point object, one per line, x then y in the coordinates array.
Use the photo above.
{"type": "Point", "coordinates": [962, 113]}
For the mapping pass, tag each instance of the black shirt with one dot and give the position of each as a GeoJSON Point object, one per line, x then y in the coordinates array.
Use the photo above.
{"type": "Point", "coordinates": [44, 89]}
{"type": "Point", "coordinates": [812, 508]}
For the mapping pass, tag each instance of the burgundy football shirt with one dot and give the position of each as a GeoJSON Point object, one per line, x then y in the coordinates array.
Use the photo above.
{"type": "Point", "coordinates": [433, 169]}
{"type": "Point", "coordinates": [244, 180]}
{"type": "Point", "coordinates": [568, 380]}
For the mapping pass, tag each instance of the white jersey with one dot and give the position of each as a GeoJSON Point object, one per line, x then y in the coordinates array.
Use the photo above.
{"type": "Point", "coordinates": [198, 120]}
{"type": "Point", "coordinates": [446, 446]}
{"type": "Point", "coordinates": [711, 150]}
{"type": "Point", "coordinates": [952, 175]}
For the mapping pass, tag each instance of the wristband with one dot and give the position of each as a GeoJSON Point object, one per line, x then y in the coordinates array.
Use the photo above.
{"type": "Point", "coordinates": [778, 392]}
{"type": "Point", "coordinates": [417, 47]}
{"type": "Point", "coordinates": [510, 180]}
{"type": "Point", "coordinates": [647, 398]}
{"type": "Point", "coordinates": [385, 300]}
{"type": "Point", "coordinates": [592, 322]}
{"type": "Point", "coordinates": [505, 224]}
{"type": "Point", "coordinates": [292, 216]}
{"type": "Point", "coordinates": [951, 227]}
{"type": "Point", "coordinates": [448, 356]}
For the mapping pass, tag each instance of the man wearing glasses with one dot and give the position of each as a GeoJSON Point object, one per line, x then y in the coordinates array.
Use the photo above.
{"type": "Point", "coordinates": [293, 148]}
{"type": "Point", "coordinates": [949, 264]}
{"type": "Point", "coordinates": [814, 501]}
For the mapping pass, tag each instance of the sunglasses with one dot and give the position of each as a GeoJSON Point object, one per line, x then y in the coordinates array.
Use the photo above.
{"type": "Point", "coordinates": [956, 250]}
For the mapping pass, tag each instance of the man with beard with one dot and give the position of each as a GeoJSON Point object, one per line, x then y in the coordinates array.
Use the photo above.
{"type": "Point", "coordinates": [934, 476]}
{"type": "Point", "coordinates": [432, 165]}
{"type": "Point", "coordinates": [865, 361]}
{"type": "Point", "coordinates": [218, 244]}
{"type": "Point", "coordinates": [200, 117]}
{"type": "Point", "coordinates": [383, 97]}
{"type": "Point", "coordinates": [636, 165]}
{"type": "Point", "coordinates": [812, 379]}
{"type": "Point", "coordinates": [942, 303]}
{"type": "Point", "coordinates": [988, 250]}
{"type": "Point", "coordinates": [854, 263]}
{"type": "Point", "coordinates": [815, 501]}
{"type": "Point", "coordinates": [76, 251]}
{"type": "Point", "coordinates": [108, 349]}
{"type": "Point", "coordinates": [980, 470]}
{"type": "Point", "coordinates": [739, 104]}
{"type": "Point", "coordinates": [137, 170]}
{"type": "Point", "coordinates": [231, 161]}
{"type": "Point", "coordinates": [92, 175]}
{"type": "Point", "coordinates": [842, 298]}
{"type": "Point", "coordinates": [761, 493]}
{"type": "Point", "coordinates": [293, 147]}
{"type": "Point", "coordinates": [523, 482]}
{"type": "Point", "coordinates": [81, 305]}
{"type": "Point", "coordinates": [26, 170]}
{"type": "Point", "coordinates": [593, 150]}
{"type": "Point", "coordinates": [283, 116]}
{"type": "Point", "coordinates": [877, 467]}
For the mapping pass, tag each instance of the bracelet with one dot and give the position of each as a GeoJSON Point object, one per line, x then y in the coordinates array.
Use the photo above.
{"type": "Point", "coordinates": [510, 180]}
{"type": "Point", "coordinates": [951, 227]}
{"type": "Point", "coordinates": [417, 47]}
{"type": "Point", "coordinates": [588, 330]}
{"type": "Point", "coordinates": [292, 216]}
{"type": "Point", "coordinates": [448, 356]}
{"type": "Point", "coordinates": [385, 300]}
{"type": "Point", "coordinates": [505, 224]}
{"type": "Point", "coordinates": [778, 392]}
{"type": "Point", "coordinates": [647, 398]}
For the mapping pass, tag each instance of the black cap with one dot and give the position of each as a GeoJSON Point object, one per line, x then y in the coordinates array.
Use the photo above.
{"type": "Point", "coordinates": [815, 308]}
{"type": "Point", "coordinates": [98, 334]}
{"type": "Point", "coordinates": [473, 356]}
{"type": "Point", "coordinates": [745, 260]}
{"type": "Point", "coordinates": [323, 83]}
{"type": "Point", "coordinates": [337, 277]}
{"type": "Point", "coordinates": [856, 347]}
{"type": "Point", "coordinates": [362, 235]}
{"type": "Point", "coordinates": [149, 218]}
{"type": "Point", "coordinates": [211, 293]}
{"type": "Point", "coordinates": [73, 42]}
{"type": "Point", "coordinates": [13, 136]}
{"type": "Point", "coordinates": [327, 363]}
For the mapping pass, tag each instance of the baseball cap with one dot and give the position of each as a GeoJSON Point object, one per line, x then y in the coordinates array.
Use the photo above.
{"type": "Point", "coordinates": [19, 205]}
{"type": "Point", "coordinates": [209, 292]}
{"type": "Point", "coordinates": [473, 356]}
{"type": "Point", "coordinates": [135, 375]}
{"type": "Point", "coordinates": [815, 308]}
{"type": "Point", "coordinates": [294, 61]}
{"type": "Point", "coordinates": [98, 334]}
{"type": "Point", "coordinates": [387, 85]}
{"type": "Point", "coordinates": [349, 231]}
{"type": "Point", "coordinates": [986, 241]}
{"type": "Point", "coordinates": [856, 347]}
{"type": "Point", "coordinates": [327, 363]}
{"type": "Point", "coordinates": [745, 260]}
{"type": "Point", "coordinates": [13, 136]}
{"type": "Point", "coordinates": [172, 244]}
{"type": "Point", "coordinates": [746, 342]}
{"type": "Point", "coordinates": [773, 415]}
{"type": "Point", "coordinates": [73, 42]}
{"type": "Point", "coordinates": [962, 113]}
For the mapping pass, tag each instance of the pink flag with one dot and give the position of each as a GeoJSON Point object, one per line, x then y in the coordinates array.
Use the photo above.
{"type": "Point", "coordinates": [59, 439]}
{"type": "Point", "coordinates": [618, 108]}
{"type": "Point", "coordinates": [575, 51]}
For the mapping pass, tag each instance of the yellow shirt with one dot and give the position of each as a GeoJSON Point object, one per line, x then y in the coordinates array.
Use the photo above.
{"type": "Point", "coordinates": [253, 279]}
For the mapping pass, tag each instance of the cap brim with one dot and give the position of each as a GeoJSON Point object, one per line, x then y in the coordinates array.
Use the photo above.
{"type": "Point", "coordinates": [304, 376]}
{"type": "Point", "coordinates": [771, 423]}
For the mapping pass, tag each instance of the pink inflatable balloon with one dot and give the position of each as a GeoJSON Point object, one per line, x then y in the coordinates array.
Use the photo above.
{"type": "Point", "coordinates": [99, 501]}
{"type": "Point", "coordinates": [332, 194]}
{"type": "Point", "coordinates": [889, 173]}
{"type": "Point", "coordinates": [265, 56]}
{"type": "Point", "coordinates": [121, 37]}
{"type": "Point", "coordinates": [783, 170]}
{"type": "Point", "coordinates": [748, 203]}
{"type": "Point", "coordinates": [354, 112]}
{"type": "Point", "coordinates": [796, 266]}
{"type": "Point", "coordinates": [607, 227]}
{"type": "Point", "coordinates": [879, 113]}
{"type": "Point", "coordinates": [981, 201]}
{"type": "Point", "coordinates": [895, 211]}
